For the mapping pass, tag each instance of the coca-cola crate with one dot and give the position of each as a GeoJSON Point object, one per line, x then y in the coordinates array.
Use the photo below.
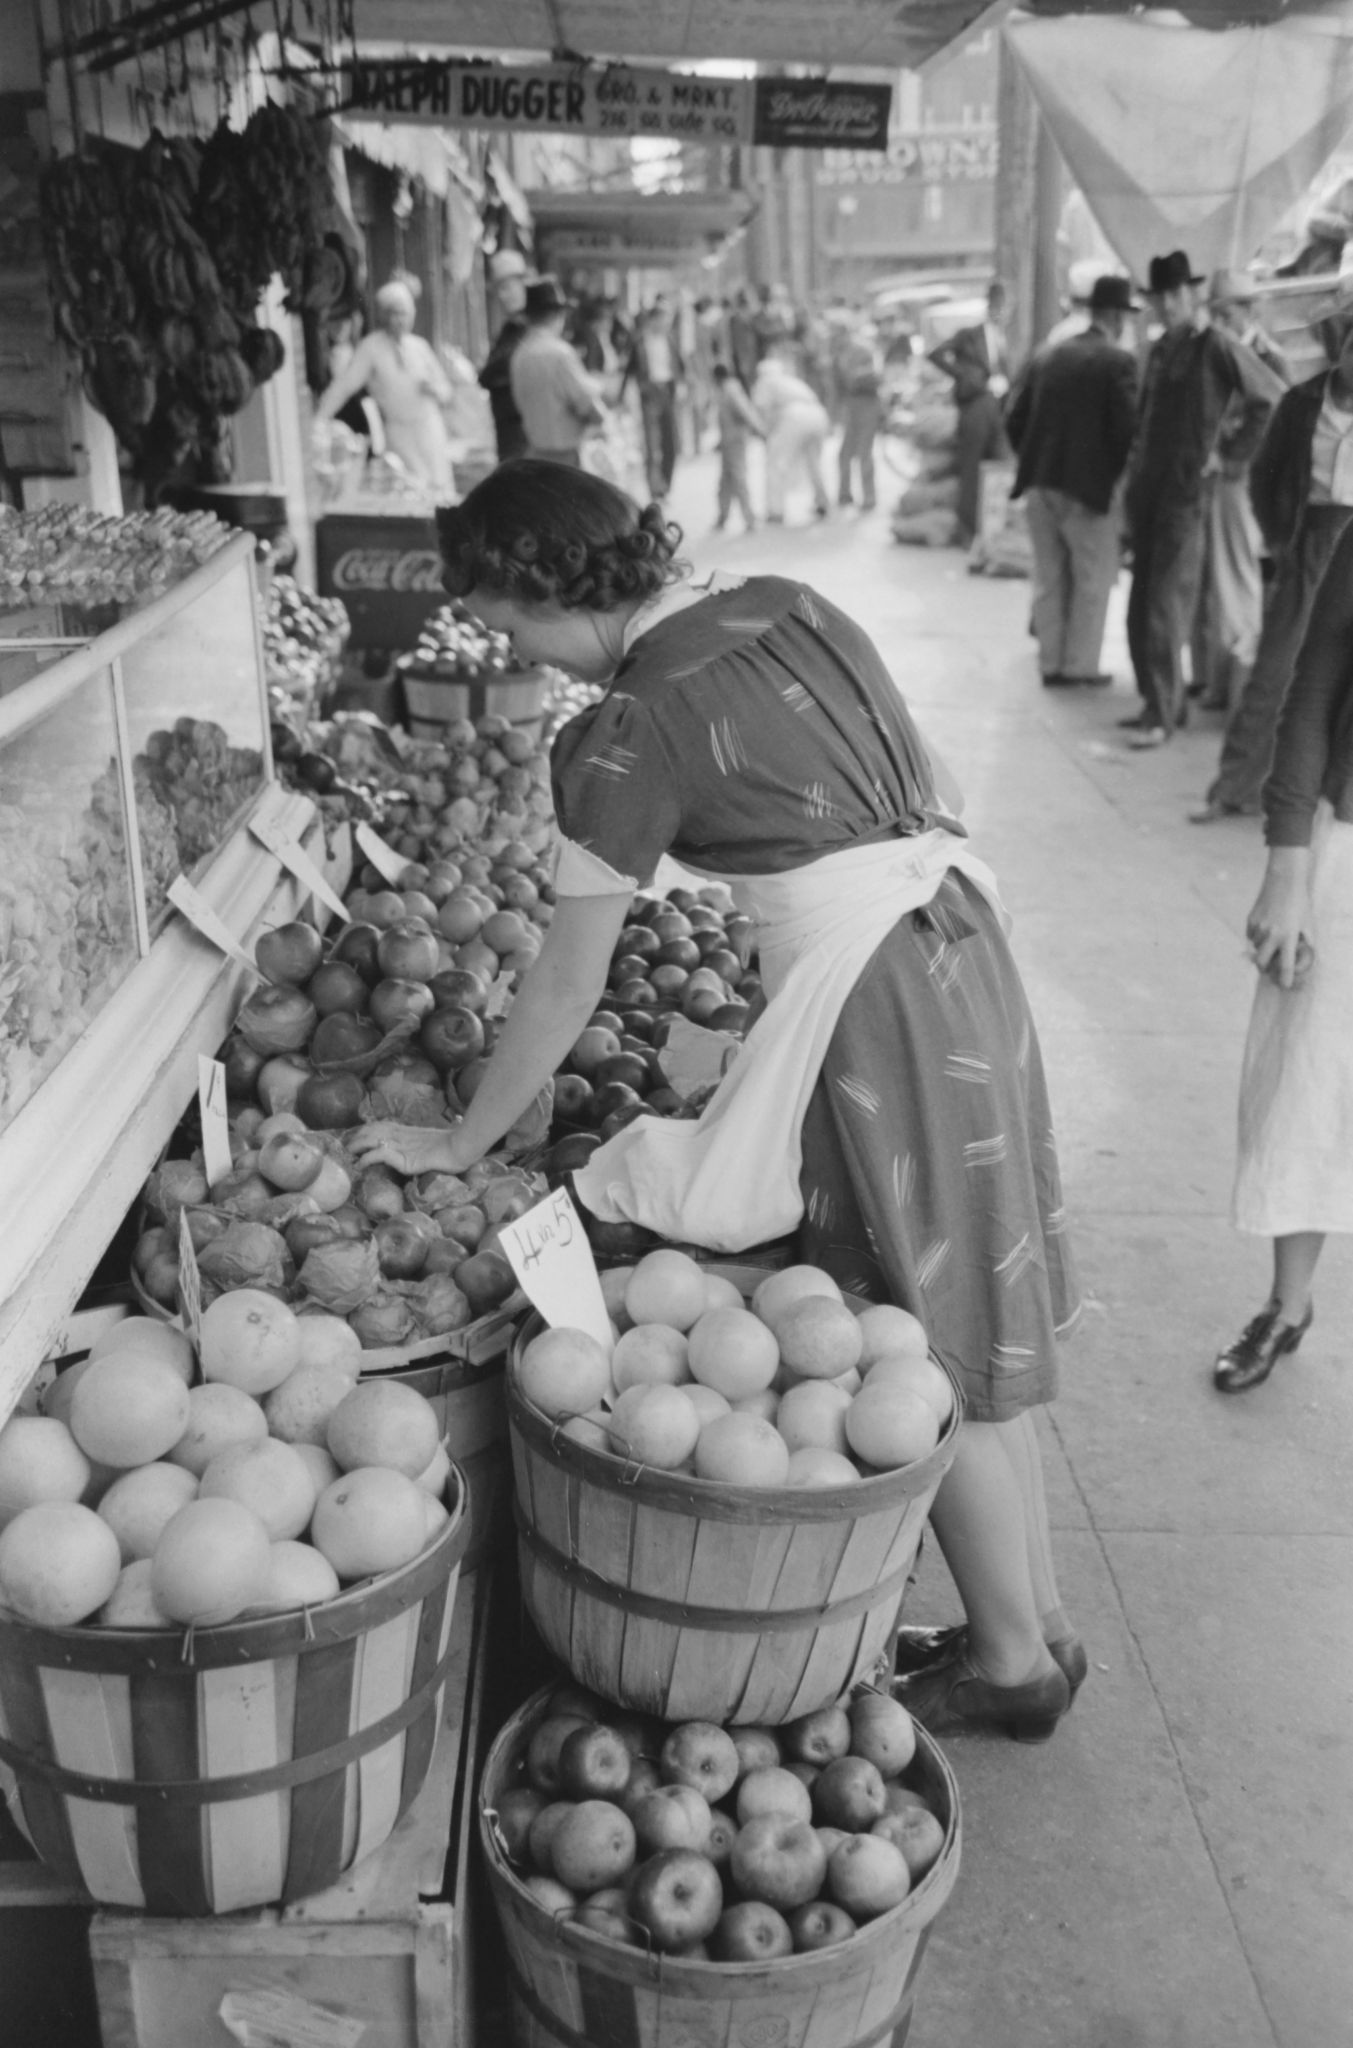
{"type": "Point", "coordinates": [387, 570]}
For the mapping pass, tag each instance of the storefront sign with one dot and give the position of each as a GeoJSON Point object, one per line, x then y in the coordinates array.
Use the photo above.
{"type": "Point", "coordinates": [936, 156]}
{"type": "Point", "coordinates": [800, 113]}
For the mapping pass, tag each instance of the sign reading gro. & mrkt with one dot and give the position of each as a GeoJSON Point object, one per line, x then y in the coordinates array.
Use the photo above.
{"type": "Point", "coordinates": [783, 113]}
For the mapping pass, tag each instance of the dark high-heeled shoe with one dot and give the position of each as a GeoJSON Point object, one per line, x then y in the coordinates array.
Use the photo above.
{"type": "Point", "coordinates": [921, 1649]}
{"type": "Point", "coordinates": [955, 1695]}
{"type": "Point", "coordinates": [1262, 1342]}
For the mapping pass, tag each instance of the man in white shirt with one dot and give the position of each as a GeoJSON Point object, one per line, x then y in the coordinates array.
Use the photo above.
{"type": "Point", "coordinates": [978, 360]}
{"type": "Point", "coordinates": [555, 396]}
{"type": "Point", "coordinates": [656, 367]}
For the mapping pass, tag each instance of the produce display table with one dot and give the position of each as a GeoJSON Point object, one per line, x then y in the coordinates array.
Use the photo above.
{"type": "Point", "coordinates": [384, 1958]}
{"type": "Point", "coordinates": [387, 570]}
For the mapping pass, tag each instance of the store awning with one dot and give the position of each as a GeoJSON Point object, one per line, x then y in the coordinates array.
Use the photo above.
{"type": "Point", "coordinates": [620, 229]}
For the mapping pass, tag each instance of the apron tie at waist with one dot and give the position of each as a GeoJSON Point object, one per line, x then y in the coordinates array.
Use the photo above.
{"type": "Point", "coordinates": [731, 1179]}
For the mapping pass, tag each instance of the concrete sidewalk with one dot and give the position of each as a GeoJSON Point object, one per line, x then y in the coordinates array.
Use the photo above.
{"type": "Point", "coordinates": [1174, 1870]}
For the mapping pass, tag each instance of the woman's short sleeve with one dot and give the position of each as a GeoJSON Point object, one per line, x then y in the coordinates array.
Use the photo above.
{"type": "Point", "coordinates": [615, 793]}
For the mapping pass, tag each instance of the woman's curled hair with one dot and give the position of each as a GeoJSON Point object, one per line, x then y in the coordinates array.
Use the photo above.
{"type": "Point", "coordinates": [542, 531]}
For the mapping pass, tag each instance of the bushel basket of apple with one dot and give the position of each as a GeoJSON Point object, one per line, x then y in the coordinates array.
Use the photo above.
{"type": "Point", "coordinates": [660, 1884]}
{"type": "Point", "coordinates": [717, 1519]}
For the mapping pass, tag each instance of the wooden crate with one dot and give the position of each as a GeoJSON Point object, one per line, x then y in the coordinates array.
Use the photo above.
{"type": "Point", "coordinates": [384, 1959]}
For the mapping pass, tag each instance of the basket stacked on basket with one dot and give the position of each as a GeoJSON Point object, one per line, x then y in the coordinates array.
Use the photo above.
{"type": "Point", "coordinates": [721, 1825]}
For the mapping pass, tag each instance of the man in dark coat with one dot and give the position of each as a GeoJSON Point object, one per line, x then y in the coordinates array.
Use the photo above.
{"type": "Point", "coordinates": [1071, 422]}
{"type": "Point", "coordinates": [978, 361]}
{"type": "Point", "coordinates": [509, 274]}
{"type": "Point", "coordinates": [1192, 374]}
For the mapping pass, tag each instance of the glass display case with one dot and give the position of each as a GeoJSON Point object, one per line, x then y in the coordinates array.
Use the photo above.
{"type": "Point", "coordinates": [138, 756]}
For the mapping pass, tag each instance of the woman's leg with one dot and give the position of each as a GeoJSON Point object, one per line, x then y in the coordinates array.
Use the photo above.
{"type": "Point", "coordinates": [980, 1523]}
{"type": "Point", "coordinates": [1294, 1263]}
{"type": "Point", "coordinates": [1021, 1443]}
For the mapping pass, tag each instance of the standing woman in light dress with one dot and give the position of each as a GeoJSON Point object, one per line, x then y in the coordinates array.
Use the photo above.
{"type": "Point", "coordinates": [751, 729]}
{"type": "Point", "coordinates": [1294, 1182]}
{"type": "Point", "coordinates": [401, 373]}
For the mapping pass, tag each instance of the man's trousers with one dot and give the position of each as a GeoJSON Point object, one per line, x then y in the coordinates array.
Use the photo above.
{"type": "Point", "coordinates": [1075, 568]}
{"type": "Point", "coordinates": [1167, 567]}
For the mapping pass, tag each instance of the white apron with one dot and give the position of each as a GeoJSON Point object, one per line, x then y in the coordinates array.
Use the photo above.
{"type": "Point", "coordinates": [731, 1179]}
{"type": "Point", "coordinates": [1295, 1170]}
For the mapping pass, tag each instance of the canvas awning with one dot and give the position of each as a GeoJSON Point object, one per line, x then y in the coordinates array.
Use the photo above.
{"type": "Point", "coordinates": [620, 229]}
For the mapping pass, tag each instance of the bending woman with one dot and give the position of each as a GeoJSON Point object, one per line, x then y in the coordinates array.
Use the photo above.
{"type": "Point", "coordinates": [1294, 1181]}
{"type": "Point", "coordinates": [751, 730]}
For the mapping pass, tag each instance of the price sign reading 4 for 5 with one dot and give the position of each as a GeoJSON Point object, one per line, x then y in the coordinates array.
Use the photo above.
{"type": "Point", "coordinates": [548, 1251]}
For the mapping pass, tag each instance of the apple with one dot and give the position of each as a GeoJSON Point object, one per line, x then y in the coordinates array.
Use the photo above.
{"type": "Point", "coordinates": [643, 1778]}
{"type": "Point", "coordinates": [917, 1833]}
{"type": "Point", "coordinates": [611, 1922]}
{"type": "Point", "coordinates": [337, 986]}
{"type": "Point", "coordinates": [773, 1790]}
{"type": "Point", "coordinates": [385, 908]}
{"type": "Point", "coordinates": [641, 1735]}
{"type": "Point", "coordinates": [396, 1001]}
{"type": "Point", "coordinates": [402, 1247]}
{"type": "Point", "coordinates": [356, 947]}
{"type": "Point", "coordinates": [722, 1832]}
{"type": "Point", "coordinates": [291, 1160]}
{"type": "Point", "coordinates": [408, 951]}
{"type": "Point", "coordinates": [758, 1749]}
{"type": "Point", "coordinates": [555, 1898]}
{"type": "Point", "coordinates": [277, 1018]}
{"type": "Point", "coordinates": [751, 1932]}
{"type": "Point", "coordinates": [817, 1738]}
{"type": "Point", "coordinates": [573, 1099]}
{"type": "Point", "coordinates": [592, 1846]}
{"type": "Point", "coordinates": [807, 1774]}
{"type": "Point", "coordinates": [671, 1817]}
{"type": "Point", "coordinates": [516, 1810]}
{"type": "Point", "coordinates": [290, 953]}
{"type": "Point", "coordinates": [542, 1755]}
{"type": "Point", "coordinates": [542, 1830]}
{"type": "Point", "coordinates": [457, 989]}
{"type": "Point", "coordinates": [819, 1925]}
{"type": "Point", "coordinates": [280, 1081]}
{"type": "Point", "coordinates": [849, 1794]}
{"type": "Point", "coordinates": [594, 1764]}
{"type": "Point", "coordinates": [703, 1756]}
{"type": "Point", "coordinates": [868, 1876]}
{"type": "Point", "coordinates": [882, 1731]}
{"type": "Point", "coordinates": [451, 1038]}
{"type": "Point", "coordinates": [677, 1897]}
{"type": "Point", "coordinates": [330, 1102]}
{"type": "Point", "coordinates": [832, 1838]}
{"type": "Point", "coordinates": [779, 1861]}
{"type": "Point", "coordinates": [592, 1047]}
{"type": "Point", "coordinates": [464, 1225]}
{"type": "Point", "coordinates": [898, 1799]}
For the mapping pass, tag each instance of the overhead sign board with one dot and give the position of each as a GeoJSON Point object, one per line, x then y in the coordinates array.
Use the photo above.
{"type": "Point", "coordinates": [619, 100]}
{"type": "Point", "coordinates": [932, 156]}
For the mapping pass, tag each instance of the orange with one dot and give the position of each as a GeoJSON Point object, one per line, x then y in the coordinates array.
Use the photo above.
{"type": "Point", "coordinates": [249, 1340]}
{"type": "Point", "coordinates": [564, 1372]}
{"type": "Point", "coordinates": [210, 1563]}
{"type": "Point", "coordinates": [371, 1520]}
{"type": "Point", "coordinates": [128, 1409]}
{"type": "Point", "coordinates": [732, 1351]}
{"type": "Point", "coordinates": [666, 1287]}
{"type": "Point", "coordinates": [791, 1284]}
{"type": "Point", "coordinates": [742, 1450]}
{"type": "Point", "coordinates": [887, 1427]}
{"type": "Point", "coordinates": [58, 1563]}
{"type": "Point", "coordinates": [39, 1460]}
{"type": "Point", "coordinates": [382, 1423]}
{"type": "Point", "coordinates": [819, 1338]}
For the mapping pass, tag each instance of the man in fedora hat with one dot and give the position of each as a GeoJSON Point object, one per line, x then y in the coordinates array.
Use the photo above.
{"type": "Point", "coordinates": [1071, 423]}
{"type": "Point", "coordinates": [978, 361]}
{"type": "Point", "coordinates": [1301, 486]}
{"type": "Point", "coordinates": [555, 396]}
{"type": "Point", "coordinates": [1192, 374]}
{"type": "Point", "coordinates": [508, 275]}
{"type": "Point", "coordinates": [1231, 600]}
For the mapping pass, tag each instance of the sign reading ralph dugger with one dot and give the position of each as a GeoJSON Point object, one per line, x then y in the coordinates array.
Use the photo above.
{"type": "Point", "coordinates": [619, 100]}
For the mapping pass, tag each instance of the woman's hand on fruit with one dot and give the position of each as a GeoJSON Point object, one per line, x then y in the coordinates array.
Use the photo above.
{"type": "Point", "coordinates": [412, 1148]}
{"type": "Point", "coordinates": [1281, 918]}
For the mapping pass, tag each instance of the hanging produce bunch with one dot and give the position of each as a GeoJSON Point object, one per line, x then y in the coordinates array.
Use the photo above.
{"type": "Point", "coordinates": [160, 258]}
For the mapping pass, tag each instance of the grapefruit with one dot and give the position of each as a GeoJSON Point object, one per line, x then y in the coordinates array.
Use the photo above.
{"type": "Point", "coordinates": [152, 1339]}
{"type": "Point", "coordinates": [887, 1426]}
{"type": "Point", "coordinates": [298, 1411]}
{"type": "Point", "coordinates": [778, 1291]}
{"type": "Point", "coordinates": [249, 1340]}
{"type": "Point", "coordinates": [322, 1468]}
{"type": "Point", "coordinates": [732, 1351]}
{"type": "Point", "coordinates": [742, 1450]}
{"type": "Point", "coordinates": [39, 1460]}
{"type": "Point", "coordinates": [666, 1287]}
{"type": "Point", "coordinates": [707, 1402]}
{"type": "Point", "coordinates": [722, 1293]}
{"type": "Point", "coordinates": [654, 1425]}
{"type": "Point", "coordinates": [132, 1603]}
{"type": "Point", "coordinates": [329, 1340]}
{"type": "Point", "coordinates": [812, 1466]}
{"type": "Point", "coordinates": [434, 1477]}
{"type": "Point", "coordinates": [564, 1372]}
{"type": "Point", "coordinates": [297, 1576]}
{"type": "Point", "coordinates": [58, 1563]}
{"type": "Point", "coordinates": [819, 1338]}
{"type": "Point", "coordinates": [383, 1423]}
{"type": "Point", "coordinates": [128, 1409]}
{"type": "Point", "coordinates": [370, 1520]}
{"type": "Point", "coordinates": [889, 1332]}
{"type": "Point", "coordinates": [917, 1376]}
{"type": "Point", "coordinates": [137, 1506]}
{"type": "Point", "coordinates": [60, 1392]}
{"type": "Point", "coordinates": [267, 1477]}
{"type": "Point", "coordinates": [218, 1416]}
{"type": "Point", "coordinates": [812, 1415]}
{"type": "Point", "coordinates": [210, 1563]}
{"type": "Point", "coordinates": [650, 1354]}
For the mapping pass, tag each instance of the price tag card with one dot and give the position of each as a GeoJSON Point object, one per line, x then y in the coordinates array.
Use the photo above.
{"type": "Point", "coordinates": [382, 857]}
{"type": "Point", "coordinates": [548, 1251]}
{"type": "Point", "coordinates": [297, 861]}
{"type": "Point", "coordinates": [190, 1282]}
{"type": "Point", "coordinates": [203, 918]}
{"type": "Point", "coordinates": [211, 1103]}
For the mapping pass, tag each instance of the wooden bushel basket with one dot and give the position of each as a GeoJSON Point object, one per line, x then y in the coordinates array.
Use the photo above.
{"type": "Point", "coordinates": [472, 1415]}
{"type": "Point", "coordinates": [699, 1602]}
{"type": "Point", "coordinates": [207, 1770]}
{"type": "Point", "coordinates": [573, 1989]}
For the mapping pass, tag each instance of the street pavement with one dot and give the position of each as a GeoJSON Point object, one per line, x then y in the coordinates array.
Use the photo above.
{"type": "Point", "coordinates": [1174, 1869]}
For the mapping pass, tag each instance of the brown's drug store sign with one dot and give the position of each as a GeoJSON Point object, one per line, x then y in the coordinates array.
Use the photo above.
{"type": "Point", "coordinates": [619, 100]}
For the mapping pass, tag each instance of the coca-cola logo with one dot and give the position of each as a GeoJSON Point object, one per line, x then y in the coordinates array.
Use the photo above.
{"type": "Point", "coordinates": [415, 569]}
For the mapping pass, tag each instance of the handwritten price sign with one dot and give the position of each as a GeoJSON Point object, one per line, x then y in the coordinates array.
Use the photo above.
{"type": "Point", "coordinates": [548, 1251]}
